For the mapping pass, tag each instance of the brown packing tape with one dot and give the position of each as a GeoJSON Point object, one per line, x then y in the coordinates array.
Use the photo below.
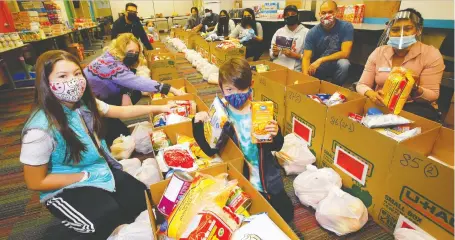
{"type": "Point", "coordinates": [308, 117]}
{"type": "Point", "coordinates": [361, 156]}
{"type": "Point", "coordinates": [419, 189]}
{"type": "Point", "coordinates": [259, 203]}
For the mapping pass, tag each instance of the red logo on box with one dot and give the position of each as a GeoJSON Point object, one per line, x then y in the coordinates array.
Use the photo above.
{"type": "Point", "coordinates": [302, 130]}
{"type": "Point", "coordinates": [351, 165]}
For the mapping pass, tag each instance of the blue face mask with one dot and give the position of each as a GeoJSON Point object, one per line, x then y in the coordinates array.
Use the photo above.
{"type": "Point", "coordinates": [406, 41]}
{"type": "Point", "coordinates": [151, 29]}
{"type": "Point", "coordinates": [238, 99]}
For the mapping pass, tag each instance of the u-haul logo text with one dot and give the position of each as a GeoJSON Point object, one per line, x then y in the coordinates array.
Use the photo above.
{"type": "Point", "coordinates": [428, 209]}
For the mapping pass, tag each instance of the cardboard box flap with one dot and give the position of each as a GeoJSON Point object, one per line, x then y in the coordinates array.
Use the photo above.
{"type": "Point", "coordinates": [288, 77]}
{"type": "Point", "coordinates": [443, 147]}
{"type": "Point", "coordinates": [179, 83]}
{"type": "Point", "coordinates": [306, 88]}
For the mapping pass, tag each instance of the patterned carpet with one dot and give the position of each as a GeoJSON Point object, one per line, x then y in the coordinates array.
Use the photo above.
{"type": "Point", "coordinates": [23, 217]}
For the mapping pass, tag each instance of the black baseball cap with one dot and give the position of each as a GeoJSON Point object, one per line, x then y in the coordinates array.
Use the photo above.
{"type": "Point", "coordinates": [292, 8]}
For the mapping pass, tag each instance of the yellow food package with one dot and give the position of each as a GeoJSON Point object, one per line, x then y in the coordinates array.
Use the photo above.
{"type": "Point", "coordinates": [397, 88]}
{"type": "Point", "coordinates": [213, 129]}
{"type": "Point", "coordinates": [202, 192]}
{"type": "Point", "coordinates": [197, 151]}
{"type": "Point", "coordinates": [261, 115]}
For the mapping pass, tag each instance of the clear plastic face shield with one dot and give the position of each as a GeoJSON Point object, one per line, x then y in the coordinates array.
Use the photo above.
{"type": "Point", "coordinates": [402, 31]}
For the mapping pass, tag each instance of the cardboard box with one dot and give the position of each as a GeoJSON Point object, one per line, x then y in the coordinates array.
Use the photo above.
{"type": "Point", "coordinates": [420, 190]}
{"type": "Point", "coordinates": [157, 45]}
{"type": "Point", "coordinates": [362, 156]}
{"type": "Point", "coordinates": [188, 38]}
{"type": "Point", "coordinates": [271, 86]}
{"type": "Point", "coordinates": [307, 118]}
{"type": "Point", "coordinates": [448, 120]}
{"type": "Point", "coordinates": [201, 46]}
{"type": "Point", "coordinates": [219, 56]}
{"type": "Point", "coordinates": [229, 153]}
{"type": "Point", "coordinates": [200, 105]}
{"type": "Point", "coordinates": [164, 68]}
{"type": "Point", "coordinates": [259, 204]}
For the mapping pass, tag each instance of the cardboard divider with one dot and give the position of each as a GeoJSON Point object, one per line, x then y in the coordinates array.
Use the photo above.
{"type": "Point", "coordinates": [271, 86]}
{"type": "Point", "coordinates": [229, 152]}
{"type": "Point", "coordinates": [201, 46]}
{"type": "Point", "coordinates": [178, 84]}
{"type": "Point", "coordinates": [162, 66]}
{"type": "Point", "coordinates": [259, 203]}
{"type": "Point", "coordinates": [419, 191]}
{"type": "Point", "coordinates": [307, 118]}
{"type": "Point", "coordinates": [272, 66]}
{"type": "Point", "coordinates": [200, 105]}
{"type": "Point", "coordinates": [361, 156]}
{"type": "Point", "coordinates": [219, 56]}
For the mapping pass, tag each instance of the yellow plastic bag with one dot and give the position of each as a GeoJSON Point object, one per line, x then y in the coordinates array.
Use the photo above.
{"type": "Point", "coordinates": [261, 116]}
{"type": "Point", "coordinates": [397, 88]}
{"type": "Point", "coordinates": [197, 151]}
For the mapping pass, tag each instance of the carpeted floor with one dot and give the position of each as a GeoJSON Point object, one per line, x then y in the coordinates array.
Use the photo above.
{"type": "Point", "coordinates": [23, 217]}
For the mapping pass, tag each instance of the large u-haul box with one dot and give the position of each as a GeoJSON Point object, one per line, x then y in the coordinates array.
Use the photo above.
{"type": "Point", "coordinates": [420, 186]}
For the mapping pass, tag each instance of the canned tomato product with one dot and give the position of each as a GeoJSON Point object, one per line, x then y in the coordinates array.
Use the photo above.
{"type": "Point", "coordinates": [178, 185]}
{"type": "Point", "coordinates": [239, 201]}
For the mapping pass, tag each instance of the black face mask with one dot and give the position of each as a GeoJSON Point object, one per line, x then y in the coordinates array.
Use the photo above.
{"type": "Point", "coordinates": [130, 59]}
{"type": "Point", "coordinates": [223, 20]}
{"type": "Point", "coordinates": [132, 17]}
{"type": "Point", "coordinates": [291, 20]}
{"type": "Point", "coordinates": [247, 21]}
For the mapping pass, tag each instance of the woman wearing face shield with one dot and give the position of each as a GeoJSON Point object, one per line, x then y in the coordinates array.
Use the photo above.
{"type": "Point", "coordinates": [404, 49]}
{"type": "Point", "coordinates": [119, 76]}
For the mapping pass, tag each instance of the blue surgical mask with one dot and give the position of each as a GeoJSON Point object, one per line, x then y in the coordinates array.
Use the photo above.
{"type": "Point", "coordinates": [237, 100]}
{"type": "Point", "coordinates": [406, 41]}
{"type": "Point", "coordinates": [151, 29]}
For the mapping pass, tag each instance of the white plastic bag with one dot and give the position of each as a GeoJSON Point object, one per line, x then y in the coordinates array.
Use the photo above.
{"type": "Point", "coordinates": [130, 165]}
{"type": "Point", "coordinates": [411, 234]}
{"type": "Point", "coordinates": [140, 229]}
{"type": "Point", "coordinates": [122, 147]}
{"type": "Point", "coordinates": [341, 213]}
{"type": "Point", "coordinates": [141, 135]}
{"type": "Point", "coordinates": [314, 184]}
{"type": "Point", "coordinates": [295, 154]}
{"type": "Point", "coordinates": [148, 174]}
{"type": "Point", "coordinates": [213, 78]}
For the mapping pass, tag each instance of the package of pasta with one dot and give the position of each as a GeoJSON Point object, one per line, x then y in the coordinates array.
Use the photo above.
{"type": "Point", "coordinates": [197, 151]}
{"type": "Point", "coordinates": [261, 116]}
{"type": "Point", "coordinates": [213, 129]}
{"type": "Point", "coordinates": [397, 88]}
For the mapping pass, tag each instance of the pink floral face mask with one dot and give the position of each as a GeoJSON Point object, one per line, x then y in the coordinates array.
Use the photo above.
{"type": "Point", "coordinates": [70, 90]}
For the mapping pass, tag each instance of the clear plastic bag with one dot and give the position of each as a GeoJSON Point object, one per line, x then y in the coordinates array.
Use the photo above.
{"type": "Point", "coordinates": [148, 173]}
{"type": "Point", "coordinates": [341, 212]}
{"type": "Point", "coordinates": [122, 147]}
{"type": "Point", "coordinates": [313, 185]}
{"type": "Point", "coordinates": [411, 234]}
{"type": "Point", "coordinates": [130, 165]}
{"type": "Point", "coordinates": [142, 137]}
{"type": "Point", "coordinates": [140, 229]}
{"type": "Point", "coordinates": [295, 155]}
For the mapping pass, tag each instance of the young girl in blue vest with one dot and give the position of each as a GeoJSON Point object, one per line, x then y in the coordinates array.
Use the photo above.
{"type": "Point", "coordinates": [66, 158]}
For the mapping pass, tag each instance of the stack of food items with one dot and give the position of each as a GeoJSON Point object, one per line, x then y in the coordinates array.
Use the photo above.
{"type": "Point", "coordinates": [53, 12]}
{"type": "Point", "coordinates": [184, 111]}
{"type": "Point", "coordinates": [327, 99]}
{"type": "Point", "coordinates": [10, 40]}
{"type": "Point", "coordinates": [351, 13]}
{"type": "Point", "coordinates": [210, 207]}
{"type": "Point", "coordinates": [29, 36]}
{"type": "Point", "coordinates": [83, 23]}
{"type": "Point", "coordinates": [26, 20]}
{"type": "Point", "coordinates": [158, 96]}
{"type": "Point", "coordinates": [396, 92]}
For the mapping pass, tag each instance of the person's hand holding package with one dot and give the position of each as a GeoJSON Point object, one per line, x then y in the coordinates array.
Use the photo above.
{"type": "Point", "coordinates": [275, 50]}
{"type": "Point", "coordinates": [272, 128]}
{"type": "Point", "coordinates": [177, 92]}
{"type": "Point", "coordinates": [201, 117]}
{"type": "Point", "coordinates": [376, 97]}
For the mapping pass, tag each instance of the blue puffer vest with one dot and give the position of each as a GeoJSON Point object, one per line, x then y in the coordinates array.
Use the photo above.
{"type": "Point", "coordinates": [92, 162]}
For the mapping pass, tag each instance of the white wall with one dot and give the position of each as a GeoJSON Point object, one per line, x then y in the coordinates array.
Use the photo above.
{"type": "Point", "coordinates": [146, 8]}
{"type": "Point", "coordinates": [432, 9]}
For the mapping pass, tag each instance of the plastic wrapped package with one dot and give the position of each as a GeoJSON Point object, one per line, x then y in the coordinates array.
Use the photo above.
{"type": "Point", "coordinates": [411, 234]}
{"type": "Point", "coordinates": [295, 155]}
{"type": "Point", "coordinates": [213, 129]}
{"type": "Point", "coordinates": [386, 120]}
{"type": "Point", "coordinates": [399, 136]}
{"type": "Point", "coordinates": [213, 223]}
{"type": "Point", "coordinates": [259, 227]}
{"type": "Point", "coordinates": [197, 151]}
{"type": "Point", "coordinates": [214, 78]}
{"type": "Point", "coordinates": [131, 165]}
{"type": "Point", "coordinates": [180, 157]}
{"type": "Point", "coordinates": [313, 185]}
{"type": "Point", "coordinates": [261, 116]}
{"type": "Point", "coordinates": [160, 140]}
{"type": "Point", "coordinates": [211, 70]}
{"type": "Point", "coordinates": [148, 173]}
{"type": "Point", "coordinates": [397, 89]}
{"type": "Point", "coordinates": [141, 135]}
{"type": "Point", "coordinates": [122, 147]}
{"type": "Point", "coordinates": [341, 212]}
{"type": "Point", "coordinates": [204, 191]}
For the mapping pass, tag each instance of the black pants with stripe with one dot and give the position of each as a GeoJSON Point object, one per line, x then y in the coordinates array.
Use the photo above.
{"type": "Point", "coordinates": [94, 213]}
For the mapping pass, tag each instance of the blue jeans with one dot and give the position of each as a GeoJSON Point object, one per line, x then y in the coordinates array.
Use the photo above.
{"type": "Point", "coordinates": [336, 70]}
